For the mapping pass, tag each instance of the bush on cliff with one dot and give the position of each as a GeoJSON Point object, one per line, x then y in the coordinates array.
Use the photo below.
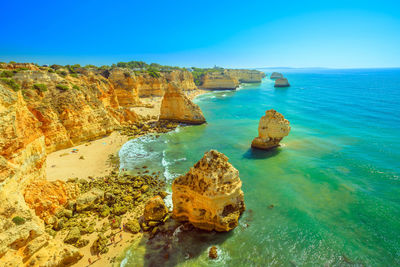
{"type": "Point", "coordinates": [18, 220]}
{"type": "Point", "coordinates": [6, 74]}
{"type": "Point", "coordinates": [62, 87]}
{"type": "Point", "coordinates": [76, 87]}
{"type": "Point", "coordinates": [11, 83]}
{"type": "Point", "coordinates": [62, 73]}
{"type": "Point", "coordinates": [40, 86]}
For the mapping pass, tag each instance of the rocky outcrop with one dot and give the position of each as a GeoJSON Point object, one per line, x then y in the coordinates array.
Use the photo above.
{"type": "Point", "coordinates": [281, 82]}
{"type": "Point", "coordinates": [276, 75]}
{"type": "Point", "coordinates": [176, 106]}
{"type": "Point", "coordinates": [271, 130]}
{"type": "Point", "coordinates": [155, 209]}
{"type": "Point", "coordinates": [46, 198]}
{"type": "Point", "coordinates": [209, 196]}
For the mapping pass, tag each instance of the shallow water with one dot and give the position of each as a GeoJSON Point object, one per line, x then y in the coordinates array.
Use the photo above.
{"type": "Point", "coordinates": [334, 183]}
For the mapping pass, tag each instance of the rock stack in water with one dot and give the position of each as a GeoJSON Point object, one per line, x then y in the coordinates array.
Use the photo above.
{"type": "Point", "coordinates": [281, 82]}
{"type": "Point", "coordinates": [271, 130]}
{"type": "Point", "coordinates": [276, 75]}
{"type": "Point", "coordinates": [176, 106]}
{"type": "Point", "coordinates": [209, 196]}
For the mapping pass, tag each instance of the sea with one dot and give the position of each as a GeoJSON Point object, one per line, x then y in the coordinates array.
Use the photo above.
{"type": "Point", "coordinates": [328, 196]}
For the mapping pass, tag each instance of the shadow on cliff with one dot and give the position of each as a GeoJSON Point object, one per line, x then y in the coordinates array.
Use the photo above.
{"type": "Point", "coordinates": [252, 153]}
{"type": "Point", "coordinates": [177, 243]}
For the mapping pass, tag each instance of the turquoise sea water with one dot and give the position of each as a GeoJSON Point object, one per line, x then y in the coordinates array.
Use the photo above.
{"type": "Point", "coordinates": [334, 182]}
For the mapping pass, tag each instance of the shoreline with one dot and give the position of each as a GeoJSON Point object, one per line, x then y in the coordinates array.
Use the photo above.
{"type": "Point", "coordinates": [91, 159]}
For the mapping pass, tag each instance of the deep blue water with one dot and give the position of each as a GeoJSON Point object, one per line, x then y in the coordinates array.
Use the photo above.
{"type": "Point", "coordinates": [334, 182]}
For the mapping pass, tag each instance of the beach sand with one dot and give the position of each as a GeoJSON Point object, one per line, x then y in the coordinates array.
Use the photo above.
{"type": "Point", "coordinates": [89, 159]}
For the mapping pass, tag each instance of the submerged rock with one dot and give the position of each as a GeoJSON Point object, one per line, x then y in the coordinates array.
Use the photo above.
{"type": "Point", "coordinates": [276, 75]}
{"type": "Point", "coordinates": [281, 82]}
{"type": "Point", "coordinates": [271, 130]}
{"type": "Point", "coordinates": [209, 196]}
{"type": "Point", "coordinates": [176, 106]}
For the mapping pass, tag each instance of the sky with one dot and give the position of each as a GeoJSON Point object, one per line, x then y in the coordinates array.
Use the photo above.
{"type": "Point", "coordinates": [248, 34]}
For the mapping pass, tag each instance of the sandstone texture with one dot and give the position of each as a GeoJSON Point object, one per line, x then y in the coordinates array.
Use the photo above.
{"type": "Point", "coordinates": [209, 196]}
{"type": "Point", "coordinates": [276, 75]}
{"type": "Point", "coordinates": [281, 82]}
{"type": "Point", "coordinates": [176, 106]}
{"type": "Point", "coordinates": [271, 130]}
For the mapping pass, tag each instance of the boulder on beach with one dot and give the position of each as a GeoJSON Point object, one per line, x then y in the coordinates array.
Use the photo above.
{"type": "Point", "coordinates": [271, 130]}
{"type": "Point", "coordinates": [209, 196]}
{"type": "Point", "coordinates": [281, 82]}
{"type": "Point", "coordinates": [276, 75]}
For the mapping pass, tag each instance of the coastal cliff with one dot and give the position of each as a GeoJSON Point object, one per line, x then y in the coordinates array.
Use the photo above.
{"type": "Point", "coordinates": [209, 196]}
{"type": "Point", "coordinates": [229, 79]}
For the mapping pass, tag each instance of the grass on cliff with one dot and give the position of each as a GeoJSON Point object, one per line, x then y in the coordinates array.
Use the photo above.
{"type": "Point", "coordinates": [41, 87]}
{"type": "Point", "coordinates": [62, 87]}
{"type": "Point", "coordinates": [11, 83]}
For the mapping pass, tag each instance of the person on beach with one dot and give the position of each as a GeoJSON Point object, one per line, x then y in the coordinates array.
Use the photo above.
{"type": "Point", "coordinates": [98, 256]}
{"type": "Point", "coordinates": [90, 261]}
{"type": "Point", "coordinates": [120, 236]}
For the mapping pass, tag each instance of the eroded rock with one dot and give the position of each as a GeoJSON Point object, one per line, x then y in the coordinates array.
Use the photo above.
{"type": "Point", "coordinates": [176, 106]}
{"type": "Point", "coordinates": [209, 196]}
{"type": "Point", "coordinates": [271, 130]}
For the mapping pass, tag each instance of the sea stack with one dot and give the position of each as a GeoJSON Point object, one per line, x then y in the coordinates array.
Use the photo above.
{"type": "Point", "coordinates": [209, 196]}
{"type": "Point", "coordinates": [276, 75]}
{"type": "Point", "coordinates": [281, 82]}
{"type": "Point", "coordinates": [176, 106]}
{"type": "Point", "coordinates": [271, 130]}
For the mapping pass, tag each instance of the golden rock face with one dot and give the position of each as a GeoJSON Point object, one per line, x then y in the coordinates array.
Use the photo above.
{"type": "Point", "coordinates": [271, 130]}
{"type": "Point", "coordinates": [209, 196]}
{"type": "Point", "coordinates": [176, 106]}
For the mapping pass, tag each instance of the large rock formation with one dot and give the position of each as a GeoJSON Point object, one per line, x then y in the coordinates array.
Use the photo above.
{"type": "Point", "coordinates": [209, 196]}
{"type": "Point", "coordinates": [276, 75]}
{"type": "Point", "coordinates": [281, 82]}
{"type": "Point", "coordinates": [176, 106]}
{"type": "Point", "coordinates": [271, 129]}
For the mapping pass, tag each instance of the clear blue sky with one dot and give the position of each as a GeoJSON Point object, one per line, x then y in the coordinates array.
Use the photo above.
{"type": "Point", "coordinates": [232, 33]}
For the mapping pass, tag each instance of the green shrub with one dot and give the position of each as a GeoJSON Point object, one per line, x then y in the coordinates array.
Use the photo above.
{"type": "Point", "coordinates": [18, 220]}
{"type": "Point", "coordinates": [50, 70]}
{"type": "Point", "coordinates": [62, 87]}
{"type": "Point", "coordinates": [19, 69]}
{"type": "Point", "coordinates": [11, 83]}
{"type": "Point", "coordinates": [76, 87]}
{"type": "Point", "coordinates": [6, 74]}
{"type": "Point", "coordinates": [41, 87]}
{"type": "Point", "coordinates": [62, 73]}
{"type": "Point", "coordinates": [74, 75]}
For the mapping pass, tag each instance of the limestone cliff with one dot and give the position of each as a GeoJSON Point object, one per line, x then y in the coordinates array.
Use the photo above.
{"type": "Point", "coordinates": [176, 106]}
{"type": "Point", "coordinates": [209, 196]}
{"type": "Point", "coordinates": [230, 79]}
{"type": "Point", "coordinates": [271, 130]}
{"type": "Point", "coordinates": [22, 159]}
{"type": "Point", "coordinates": [219, 81]}
{"type": "Point", "coordinates": [246, 76]}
